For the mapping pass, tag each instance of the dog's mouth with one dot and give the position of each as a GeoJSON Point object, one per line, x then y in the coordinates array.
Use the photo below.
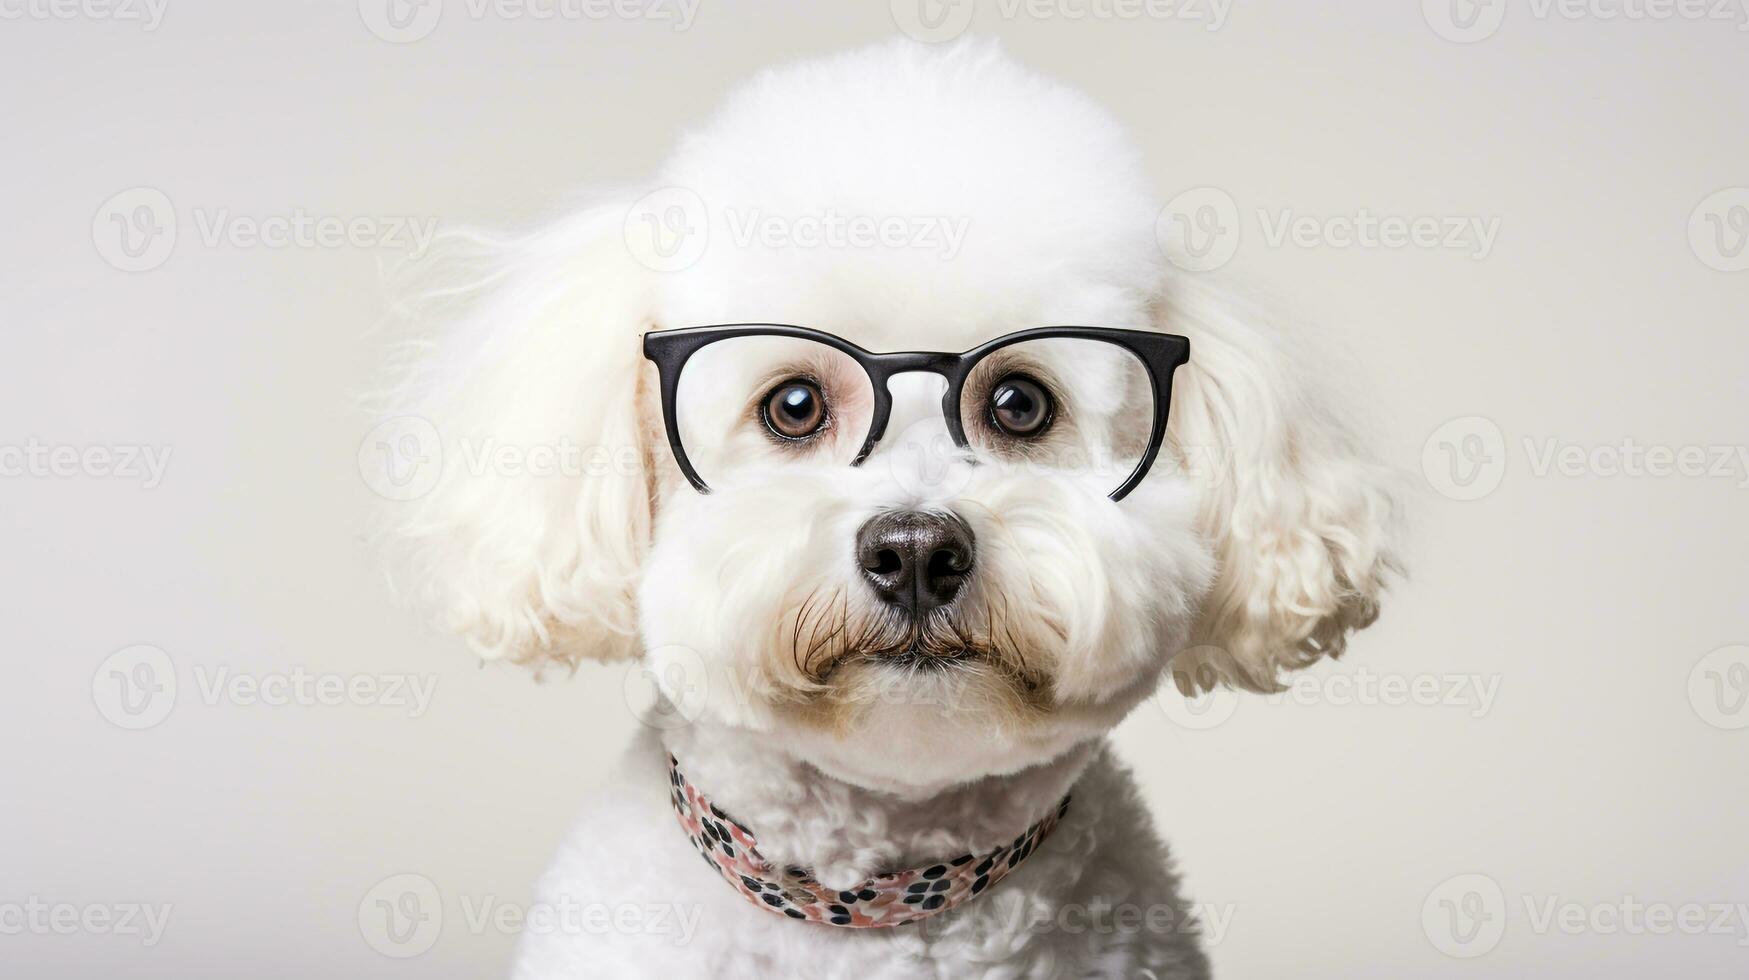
{"type": "Point", "coordinates": [943, 644]}
{"type": "Point", "coordinates": [933, 657]}
{"type": "Point", "coordinates": [938, 648]}
{"type": "Point", "coordinates": [912, 658]}
{"type": "Point", "coordinates": [937, 642]}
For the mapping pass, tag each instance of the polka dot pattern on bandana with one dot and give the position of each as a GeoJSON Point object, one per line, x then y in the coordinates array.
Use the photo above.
{"type": "Point", "coordinates": [889, 899]}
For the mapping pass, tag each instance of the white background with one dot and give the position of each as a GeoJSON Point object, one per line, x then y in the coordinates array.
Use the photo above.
{"type": "Point", "coordinates": [1324, 827]}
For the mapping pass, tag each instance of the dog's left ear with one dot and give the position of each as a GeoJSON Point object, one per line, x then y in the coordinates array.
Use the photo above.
{"type": "Point", "coordinates": [1302, 519]}
{"type": "Point", "coordinates": [528, 537]}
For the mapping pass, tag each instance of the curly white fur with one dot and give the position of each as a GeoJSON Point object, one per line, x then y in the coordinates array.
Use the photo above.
{"type": "Point", "coordinates": [1078, 603]}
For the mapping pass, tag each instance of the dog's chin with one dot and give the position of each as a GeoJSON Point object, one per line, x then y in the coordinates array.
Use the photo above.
{"type": "Point", "coordinates": [934, 729]}
{"type": "Point", "coordinates": [922, 714]}
{"type": "Point", "coordinates": [966, 681]}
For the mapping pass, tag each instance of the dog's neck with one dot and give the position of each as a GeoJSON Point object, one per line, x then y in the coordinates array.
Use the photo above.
{"type": "Point", "coordinates": [846, 833]}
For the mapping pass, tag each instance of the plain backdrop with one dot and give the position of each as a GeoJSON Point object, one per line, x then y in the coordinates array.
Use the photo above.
{"type": "Point", "coordinates": [1338, 832]}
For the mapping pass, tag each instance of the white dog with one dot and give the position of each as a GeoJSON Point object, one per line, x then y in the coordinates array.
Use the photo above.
{"type": "Point", "coordinates": [889, 663]}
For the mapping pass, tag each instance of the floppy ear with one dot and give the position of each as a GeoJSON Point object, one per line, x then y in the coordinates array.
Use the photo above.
{"type": "Point", "coordinates": [528, 542]}
{"type": "Point", "coordinates": [1301, 518]}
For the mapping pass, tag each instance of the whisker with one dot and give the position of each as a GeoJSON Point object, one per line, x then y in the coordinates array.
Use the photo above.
{"type": "Point", "coordinates": [795, 639]}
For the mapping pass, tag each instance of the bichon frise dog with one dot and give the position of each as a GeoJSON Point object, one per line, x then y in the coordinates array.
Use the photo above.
{"type": "Point", "coordinates": [877, 431]}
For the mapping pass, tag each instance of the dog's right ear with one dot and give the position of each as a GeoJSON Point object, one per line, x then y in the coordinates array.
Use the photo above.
{"type": "Point", "coordinates": [520, 388]}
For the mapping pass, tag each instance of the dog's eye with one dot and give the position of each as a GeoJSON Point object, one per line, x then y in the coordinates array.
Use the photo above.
{"type": "Point", "coordinates": [794, 409]}
{"type": "Point", "coordinates": [1020, 406]}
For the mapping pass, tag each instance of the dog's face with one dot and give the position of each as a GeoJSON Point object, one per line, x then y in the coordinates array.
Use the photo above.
{"type": "Point", "coordinates": [931, 613]}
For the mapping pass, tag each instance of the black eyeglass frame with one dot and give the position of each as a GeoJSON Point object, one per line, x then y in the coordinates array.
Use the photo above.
{"type": "Point", "coordinates": [1160, 353]}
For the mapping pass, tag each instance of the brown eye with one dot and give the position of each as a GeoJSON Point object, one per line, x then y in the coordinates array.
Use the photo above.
{"type": "Point", "coordinates": [1020, 406]}
{"type": "Point", "coordinates": [795, 409]}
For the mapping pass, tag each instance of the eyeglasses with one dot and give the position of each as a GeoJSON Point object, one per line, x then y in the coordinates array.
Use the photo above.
{"type": "Point", "coordinates": [1084, 401]}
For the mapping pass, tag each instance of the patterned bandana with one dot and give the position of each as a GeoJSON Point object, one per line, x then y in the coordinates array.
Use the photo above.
{"type": "Point", "coordinates": [890, 899]}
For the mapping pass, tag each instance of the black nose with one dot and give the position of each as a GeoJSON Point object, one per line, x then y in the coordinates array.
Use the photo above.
{"type": "Point", "coordinates": [915, 561]}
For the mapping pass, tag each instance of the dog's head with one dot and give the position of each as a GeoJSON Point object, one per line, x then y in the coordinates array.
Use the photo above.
{"type": "Point", "coordinates": [947, 606]}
